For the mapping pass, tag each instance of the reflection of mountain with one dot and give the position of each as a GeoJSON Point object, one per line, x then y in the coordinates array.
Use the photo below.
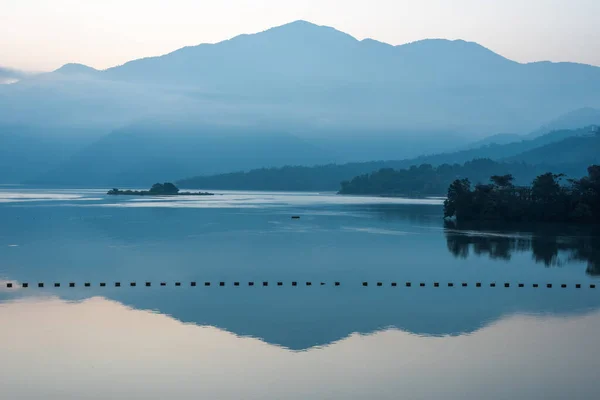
{"type": "Point", "coordinates": [301, 318]}
{"type": "Point", "coordinates": [549, 245]}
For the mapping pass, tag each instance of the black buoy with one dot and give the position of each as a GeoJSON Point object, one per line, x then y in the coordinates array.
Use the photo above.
{"type": "Point", "coordinates": [295, 217]}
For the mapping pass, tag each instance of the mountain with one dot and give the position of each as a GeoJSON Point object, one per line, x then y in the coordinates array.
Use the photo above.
{"type": "Point", "coordinates": [288, 178]}
{"type": "Point", "coordinates": [355, 99]}
{"type": "Point", "coordinates": [143, 153]}
{"type": "Point", "coordinates": [499, 138]}
{"type": "Point", "coordinates": [580, 118]}
{"type": "Point", "coordinates": [423, 181]}
{"type": "Point", "coordinates": [575, 119]}
{"type": "Point", "coordinates": [21, 161]}
{"type": "Point", "coordinates": [76, 69]}
{"type": "Point", "coordinates": [570, 156]}
{"type": "Point", "coordinates": [566, 151]}
{"type": "Point", "coordinates": [575, 150]}
{"type": "Point", "coordinates": [502, 151]}
{"type": "Point", "coordinates": [433, 84]}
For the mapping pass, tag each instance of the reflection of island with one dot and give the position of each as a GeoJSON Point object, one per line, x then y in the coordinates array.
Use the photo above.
{"type": "Point", "coordinates": [158, 189]}
{"type": "Point", "coordinates": [546, 244]}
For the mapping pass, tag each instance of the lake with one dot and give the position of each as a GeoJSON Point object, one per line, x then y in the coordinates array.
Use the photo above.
{"type": "Point", "coordinates": [228, 297]}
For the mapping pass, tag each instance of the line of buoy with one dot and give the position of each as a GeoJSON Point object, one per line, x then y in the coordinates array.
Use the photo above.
{"type": "Point", "coordinates": [11, 285]}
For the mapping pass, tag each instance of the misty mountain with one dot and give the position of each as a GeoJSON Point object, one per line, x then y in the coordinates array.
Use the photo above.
{"type": "Point", "coordinates": [502, 151]}
{"type": "Point", "coordinates": [356, 100]}
{"type": "Point", "coordinates": [574, 119]}
{"type": "Point", "coordinates": [576, 150]}
{"type": "Point", "coordinates": [499, 138]}
{"type": "Point", "coordinates": [141, 154]}
{"type": "Point", "coordinates": [583, 117]}
{"type": "Point", "coordinates": [341, 82]}
{"type": "Point", "coordinates": [21, 161]}
{"type": "Point", "coordinates": [565, 151]}
{"type": "Point", "coordinates": [74, 69]}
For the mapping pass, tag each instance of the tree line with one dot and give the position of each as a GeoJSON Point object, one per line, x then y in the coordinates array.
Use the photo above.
{"type": "Point", "coordinates": [427, 180]}
{"type": "Point", "coordinates": [550, 197]}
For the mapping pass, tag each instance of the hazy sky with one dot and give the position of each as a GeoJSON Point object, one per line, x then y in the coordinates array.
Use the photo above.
{"type": "Point", "coordinates": [45, 34]}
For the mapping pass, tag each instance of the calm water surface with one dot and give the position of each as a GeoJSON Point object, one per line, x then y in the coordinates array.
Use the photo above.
{"type": "Point", "coordinates": [320, 341]}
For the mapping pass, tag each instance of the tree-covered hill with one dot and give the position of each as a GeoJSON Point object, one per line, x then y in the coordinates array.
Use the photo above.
{"type": "Point", "coordinates": [427, 180]}
{"type": "Point", "coordinates": [573, 150]}
{"type": "Point", "coordinates": [567, 151]}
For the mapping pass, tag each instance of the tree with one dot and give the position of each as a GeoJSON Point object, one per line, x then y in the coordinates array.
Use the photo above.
{"type": "Point", "coordinates": [166, 188]}
{"type": "Point", "coordinates": [169, 188]}
{"type": "Point", "coordinates": [459, 197]}
{"type": "Point", "coordinates": [546, 187]}
{"type": "Point", "coordinates": [503, 181]}
{"type": "Point", "coordinates": [545, 200]}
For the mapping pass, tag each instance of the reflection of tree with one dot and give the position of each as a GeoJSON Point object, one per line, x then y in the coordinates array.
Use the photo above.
{"type": "Point", "coordinates": [589, 252]}
{"type": "Point", "coordinates": [545, 245]}
{"type": "Point", "coordinates": [496, 248]}
{"type": "Point", "coordinates": [545, 250]}
{"type": "Point", "coordinates": [458, 245]}
{"type": "Point", "coordinates": [500, 248]}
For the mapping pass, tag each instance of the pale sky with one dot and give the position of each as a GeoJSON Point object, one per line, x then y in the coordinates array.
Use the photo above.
{"type": "Point", "coordinates": [45, 34]}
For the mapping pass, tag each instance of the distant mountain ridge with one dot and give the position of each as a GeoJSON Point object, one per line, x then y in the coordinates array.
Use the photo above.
{"type": "Point", "coordinates": [582, 117]}
{"type": "Point", "coordinates": [574, 150]}
{"type": "Point", "coordinates": [75, 68]}
{"type": "Point", "coordinates": [565, 151]}
{"type": "Point", "coordinates": [352, 100]}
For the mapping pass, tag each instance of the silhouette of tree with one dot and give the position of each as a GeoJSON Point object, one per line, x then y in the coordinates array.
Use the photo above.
{"type": "Point", "coordinates": [503, 181]}
{"type": "Point", "coordinates": [546, 200]}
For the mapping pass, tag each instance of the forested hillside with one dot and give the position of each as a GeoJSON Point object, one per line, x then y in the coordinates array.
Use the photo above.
{"type": "Point", "coordinates": [567, 151]}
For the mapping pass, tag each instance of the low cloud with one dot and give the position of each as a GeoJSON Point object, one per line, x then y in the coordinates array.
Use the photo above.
{"type": "Point", "coordinates": [8, 75]}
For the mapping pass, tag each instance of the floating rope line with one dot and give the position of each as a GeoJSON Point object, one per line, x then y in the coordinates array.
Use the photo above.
{"type": "Point", "coordinates": [25, 285]}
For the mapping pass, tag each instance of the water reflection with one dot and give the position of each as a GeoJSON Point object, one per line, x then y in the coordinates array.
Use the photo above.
{"type": "Point", "coordinates": [99, 349]}
{"type": "Point", "coordinates": [552, 246]}
{"type": "Point", "coordinates": [289, 342]}
{"type": "Point", "coordinates": [303, 318]}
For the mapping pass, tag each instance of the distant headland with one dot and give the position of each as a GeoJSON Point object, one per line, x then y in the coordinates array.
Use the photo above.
{"type": "Point", "coordinates": [158, 189]}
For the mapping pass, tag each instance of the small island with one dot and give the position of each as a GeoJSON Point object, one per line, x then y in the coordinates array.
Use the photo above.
{"type": "Point", "coordinates": [158, 189]}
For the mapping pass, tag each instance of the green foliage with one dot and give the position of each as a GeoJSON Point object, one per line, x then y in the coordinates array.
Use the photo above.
{"type": "Point", "coordinates": [545, 200]}
{"type": "Point", "coordinates": [426, 180]}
